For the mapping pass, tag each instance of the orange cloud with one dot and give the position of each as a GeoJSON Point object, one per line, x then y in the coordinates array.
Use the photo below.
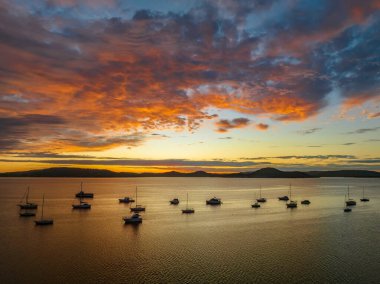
{"type": "Point", "coordinates": [225, 125]}
{"type": "Point", "coordinates": [110, 78]}
{"type": "Point", "coordinates": [262, 126]}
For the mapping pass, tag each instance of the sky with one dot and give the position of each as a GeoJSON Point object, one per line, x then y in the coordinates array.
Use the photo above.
{"type": "Point", "coordinates": [219, 86]}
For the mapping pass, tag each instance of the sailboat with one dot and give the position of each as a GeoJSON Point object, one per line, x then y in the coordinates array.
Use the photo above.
{"type": "Point", "coordinates": [138, 208]}
{"type": "Point", "coordinates": [285, 197]}
{"type": "Point", "coordinates": [349, 201]}
{"type": "Point", "coordinates": [27, 204]}
{"type": "Point", "coordinates": [82, 194]}
{"type": "Point", "coordinates": [82, 205]}
{"type": "Point", "coordinates": [126, 199]}
{"type": "Point", "coordinates": [346, 208]}
{"type": "Point", "coordinates": [291, 203]}
{"type": "Point", "coordinates": [134, 219]}
{"type": "Point", "coordinates": [214, 201]}
{"type": "Point", "coordinates": [187, 210]}
{"type": "Point", "coordinates": [43, 221]}
{"type": "Point", "coordinates": [364, 199]}
{"type": "Point", "coordinates": [261, 199]}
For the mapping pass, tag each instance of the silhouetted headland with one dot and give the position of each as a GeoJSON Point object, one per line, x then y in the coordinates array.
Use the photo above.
{"type": "Point", "coordinates": [262, 173]}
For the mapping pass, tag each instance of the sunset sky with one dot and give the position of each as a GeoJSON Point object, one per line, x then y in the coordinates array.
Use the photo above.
{"type": "Point", "coordinates": [220, 86]}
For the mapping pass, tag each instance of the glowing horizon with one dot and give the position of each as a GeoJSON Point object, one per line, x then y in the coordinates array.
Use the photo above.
{"type": "Point", "coordinates": [219, 86]}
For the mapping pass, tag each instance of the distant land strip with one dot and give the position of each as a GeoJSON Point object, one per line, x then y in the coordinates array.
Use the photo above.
{"type": "Point", "coordinates": [262, 173]}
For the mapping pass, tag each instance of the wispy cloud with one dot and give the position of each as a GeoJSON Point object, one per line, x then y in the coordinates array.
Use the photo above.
{"type": "Point", "coordinates": [139, 162]}
{"type": "Point", "coordinates": [308, 157]}
{"type": "Point", "coordinates": [363, 130]}
{"type": "Point", "coordinates": [374, 115]}
{"type": "Point", "coordinates": [309, 131]}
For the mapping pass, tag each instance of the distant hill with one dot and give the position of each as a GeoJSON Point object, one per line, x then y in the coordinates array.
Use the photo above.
{"type": "Point", "coordinates": [275, 173]}
{"type": "Point", "coordinates": [262, 173]}
{"type": "Point", "coordinates": [63, 172]}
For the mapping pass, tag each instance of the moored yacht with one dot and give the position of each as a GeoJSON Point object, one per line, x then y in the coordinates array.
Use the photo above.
{"type": "Point", "coordinates": [291, 203]}
{"type": "Point", "coordinates": [187, 210]}
{"type": "Point", "coordinates": [82, 194]}
{"type": "Point", "coordinates": [126, 200]}
{"type": "Point", "coordinates": [214, 201]}
{"type": "Point", "coordinates": [137, 208]}
{"type": "Point", "coordinates": [256, 205]}
{"type": "Point", "coordinates": [174, 201]}
{"type": "Point", "coordinates": [364, 199]}
{"type": "Point", "coordinates": [82, 205]}
{"type": "Point", "coordinates": [350, 201]}
{"type": "Point", "coordinates": [42, 221]}
{"type": "Point", "coordinates": [261, 199]}
{"type": "Point", "coordinates": [27, 214]}
{"type": "Point", "coordinates": [283, 198]}
{"type": "Point", "coordinates": [135, 218]}
{"type": "Point", "coordinates": [305, 202]}
{"type": "Point", "coordinates": [27, 204]}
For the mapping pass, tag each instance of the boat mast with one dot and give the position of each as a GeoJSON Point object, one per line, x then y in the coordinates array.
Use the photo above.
{"type": "Point", "coordinates": [27, 195]}
{"type": "Point", "coordinates": [136, 196]}
{"type": "Point", "coordinates": [290, 192]}
{"type": "Point", "coordinates": [348, 192]}
{"type": "Point", "coordinates": [260, 190]}
{"type": "Point", "coordinates": [187, 200]}
{"type": "Point", "coordinates": [43, 201]}
{"type": "Point", "coordinates": [81, 186]}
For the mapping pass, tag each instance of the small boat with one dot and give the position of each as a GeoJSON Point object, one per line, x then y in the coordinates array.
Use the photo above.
{"type": "Point", "coordinates": [137, 208]}
{"type": "Point", "coordinates": [187, 210]}
{"type": "Point", "coordinates": [126, 200]}
{"type": "Point", "coordinates": [135, 218]}
{"type": "Point", "coordinates": [27, 214]}
{"type": "Point", "coordinates": [349, 201]}
{"type": "Point", "coordinates": [27, 204]}
{"type": "Point", "coordinates": [82, 194]}
{"type": "Point", "coordinates": [82, 205]}
{"type": "Point", "coordinates": [214, 201]}
{"type": "Point", "coordinates": [364, 199]}
{"type": "Point", "coordinates": [256, 205]}
{"type": "Point", "coordinates": [305, 202]}
{"type": "Point", "coordinates": [42, 221]}
{"type": "Point", "coordinates": [291, 203]}
{"type": "Point", "coordinates": [261, 199]}
{"type": "Point", "coordinates": [283, 198]}
{"type": "Point", "coordinates": [174, 201]}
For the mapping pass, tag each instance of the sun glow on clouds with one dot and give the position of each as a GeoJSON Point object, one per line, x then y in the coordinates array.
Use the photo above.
{"type": "Point", "coordinates": [103, 76]}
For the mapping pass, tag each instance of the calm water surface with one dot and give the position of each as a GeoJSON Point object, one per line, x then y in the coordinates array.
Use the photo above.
{"type": "Point", "coordinates": [230, 243]}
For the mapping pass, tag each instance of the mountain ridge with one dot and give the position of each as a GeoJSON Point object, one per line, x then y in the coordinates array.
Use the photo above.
{"type": "Point", "coordinates": [261, 173]}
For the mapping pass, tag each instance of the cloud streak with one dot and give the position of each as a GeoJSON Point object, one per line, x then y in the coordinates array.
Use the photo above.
{"type": "Point", "coordinates": [363, 130]}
